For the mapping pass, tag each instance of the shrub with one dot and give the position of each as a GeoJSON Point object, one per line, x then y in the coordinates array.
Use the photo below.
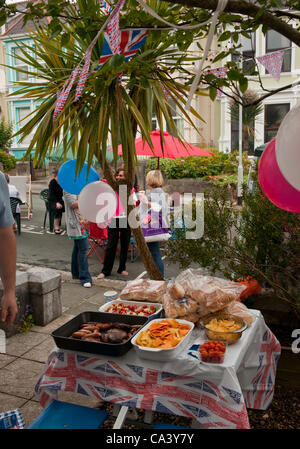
{"type": "Point", "coordinates": [199, 167]}
{"type": "Point", "coordinates": [261, 240]}
{"type": "Point", "coordinates": [8, 161]}
{"type": "Point", "coordinates": [6, 130]}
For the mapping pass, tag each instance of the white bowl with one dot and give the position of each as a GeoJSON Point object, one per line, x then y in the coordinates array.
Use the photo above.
{"type": "Point", "coordinates": [157, 306]}
{"type": "Point", "coordinates": [162, 354]}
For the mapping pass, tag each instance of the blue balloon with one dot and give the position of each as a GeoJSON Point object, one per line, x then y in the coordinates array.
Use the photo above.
{"type": "Point", "coordinates": [74, 184]}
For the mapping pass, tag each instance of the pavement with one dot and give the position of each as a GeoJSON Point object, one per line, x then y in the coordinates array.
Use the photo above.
{"type": "Point", "coordinates": [27, 353]}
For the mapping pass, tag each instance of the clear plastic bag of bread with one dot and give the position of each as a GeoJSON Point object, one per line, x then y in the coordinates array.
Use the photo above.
{"type": "Point", "coordinates": [210, 292]}
{"type": "Point", "coordinates": [177, 308]}
{"type": "Point", "coordinates": [144, 290]}
{"type": "Point", "coordinates": [239, 309]}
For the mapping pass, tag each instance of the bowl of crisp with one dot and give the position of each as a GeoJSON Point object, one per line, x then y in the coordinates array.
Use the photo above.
{"type": "Point", "coordinates": [223, 327]}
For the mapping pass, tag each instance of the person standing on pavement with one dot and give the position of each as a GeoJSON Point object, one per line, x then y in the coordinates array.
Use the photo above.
{"type": "Point", "coordinates": [56, 202]}
{"type": "Point", "coordinates": [77, 232]}
{"type": "Point", "coordinates": [118, 228]}
{"type": "Point", "coordinates": [8, 256]}
{"type": "Point", "coordinates": [155, 194]}
{"type": "Point", "coordinates": [13, 193]}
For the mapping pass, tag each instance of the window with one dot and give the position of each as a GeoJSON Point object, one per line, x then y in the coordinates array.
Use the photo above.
{"type": "Point", "coordinates": [274, 42]}
{"type": "Point", "coordinates": [20, 76]}
{"type": "Point", "coordinates": [248, 52]}
{"type": "Point", "coordinates": [21, 113]}
{"type": "Point", "coordinates": [274, 114]}
{"type": "Point", "coordinates": [176, 117]}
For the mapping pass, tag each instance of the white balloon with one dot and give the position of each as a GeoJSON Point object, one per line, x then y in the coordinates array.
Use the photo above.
{"type": "Point", "coordinates": [288, 147]}
{"type": "Point", "coordinates": [97, 202]}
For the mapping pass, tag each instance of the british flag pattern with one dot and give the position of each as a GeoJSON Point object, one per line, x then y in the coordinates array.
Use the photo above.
{"type": "Point", "coordinates": [64, 93]}
{"type": "Point", "coordinates": [215, 396]}
{"type": "Point", "coordinates": [106, 8]}
{"type": "Point", "coordinates": [131, 42]}
{"type": "Point", "coordinates": [114, 35]}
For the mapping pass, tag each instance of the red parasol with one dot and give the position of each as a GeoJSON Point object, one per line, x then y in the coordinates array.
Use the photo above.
{"type": "Point", "coordinates": [172, 147]}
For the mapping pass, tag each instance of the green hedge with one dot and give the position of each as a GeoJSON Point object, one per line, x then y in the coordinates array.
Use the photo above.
{"type": "Point", "coordinates": [218, 168]}
{"type": "Point", "coordinates": [9, 162]}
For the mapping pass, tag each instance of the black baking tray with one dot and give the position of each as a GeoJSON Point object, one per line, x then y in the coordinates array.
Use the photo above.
{"type": "Point", "coordinates": [63, 339]}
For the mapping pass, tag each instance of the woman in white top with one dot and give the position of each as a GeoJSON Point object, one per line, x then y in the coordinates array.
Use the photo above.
{"type": "Point", "coordinates": [13, 193]}
{"type": "Point", "coordinates": [155, 194]}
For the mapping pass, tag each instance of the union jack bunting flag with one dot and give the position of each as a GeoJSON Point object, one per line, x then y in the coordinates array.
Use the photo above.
{"type": "Point", "coordinates": [113, 29]}
{"type": "Point", "coordinates": [131, 42]}
{"type": "Point", "coordinates": [106, 7]}
{"type": "Point", "coordinates": [64, 93]}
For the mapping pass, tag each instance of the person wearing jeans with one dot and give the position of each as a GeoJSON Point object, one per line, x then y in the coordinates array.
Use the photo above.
{"type": "Point", "coordinates": [76, 231]}
{"type": "Point", "coordinates": [154, 248]}
{"type": "Point", "coordinates": [154, 184]}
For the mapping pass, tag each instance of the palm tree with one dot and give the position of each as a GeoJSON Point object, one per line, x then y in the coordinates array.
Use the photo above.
{"type": "Point", "coordinates": [107, 108]}
{"type": "Point", "coordinates": [250, 114]}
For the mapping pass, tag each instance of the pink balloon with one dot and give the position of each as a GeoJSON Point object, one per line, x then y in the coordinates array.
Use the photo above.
{"type": "Point", "coordinates": [273, 184]}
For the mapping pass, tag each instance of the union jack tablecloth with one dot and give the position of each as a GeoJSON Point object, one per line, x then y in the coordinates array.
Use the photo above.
{"type": "Point", "coordinates": [215, 395]}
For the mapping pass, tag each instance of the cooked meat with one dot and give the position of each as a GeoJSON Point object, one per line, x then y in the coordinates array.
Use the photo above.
{"type": "Point", "coordinates": [123, 326]}
{"type": "Point", "coordinates": [90, 338]}
{"type": "Point", "coordinates": [116, 335]}
{"type": "Point", "coordinates": [104, 326]}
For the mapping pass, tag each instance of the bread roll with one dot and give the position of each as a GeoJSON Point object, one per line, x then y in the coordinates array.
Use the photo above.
{"type": "Point", "coordinates": [176, 291]}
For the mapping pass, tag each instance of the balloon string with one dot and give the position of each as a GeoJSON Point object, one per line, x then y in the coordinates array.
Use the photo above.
{"type": "Point", "coordinates": [220, 8]}
{"type": "Point", "coordinates": [172, 25]}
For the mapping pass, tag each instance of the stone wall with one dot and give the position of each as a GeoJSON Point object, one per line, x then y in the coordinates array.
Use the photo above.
{"type": "Point", "coordinates": [39, 288]}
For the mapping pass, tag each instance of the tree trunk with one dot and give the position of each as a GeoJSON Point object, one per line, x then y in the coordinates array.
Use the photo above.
{"type": "Point", "coordinates": [149, 264]}
{"type": "Point", "coordinates": [144, 251]}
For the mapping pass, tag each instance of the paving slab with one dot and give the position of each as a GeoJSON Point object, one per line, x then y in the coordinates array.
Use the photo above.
{"type": "Point", "coordinates": [49, 328]}
{"type": "Point", "coordinates": [19, 344]}
{"type": "Point", "coordinates": [10, 402]}
{"type": "Point", "coordinates": [41, 352]}
{"type": "Point", "coordinates": [6, 359]}
{"type": "Point", "coordinates": [20, 377]}
{"type": "Point", "coordinates": [30, 411]}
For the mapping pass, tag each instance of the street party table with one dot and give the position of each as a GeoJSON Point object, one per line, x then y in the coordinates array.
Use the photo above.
{"type": "Point", "coordinates": [215, 395]}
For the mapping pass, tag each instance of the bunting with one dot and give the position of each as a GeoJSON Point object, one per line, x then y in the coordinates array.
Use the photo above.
{"type": "Point", "coordinates": [106, 8]}
{"type": "Point", "coordinates": [112, 24]}
{"type": "Point", "coordinates": [219, 73]}
{"type": "Point", "coordinates": [131, 42]}
{"type": "Point", "coordinates": [64, 93]}
{"type": "Point", "coordinates": [272, 62]}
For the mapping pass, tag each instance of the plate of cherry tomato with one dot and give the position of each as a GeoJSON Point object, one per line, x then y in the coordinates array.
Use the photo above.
{"type": "Point", "coordinates": [212, 351]}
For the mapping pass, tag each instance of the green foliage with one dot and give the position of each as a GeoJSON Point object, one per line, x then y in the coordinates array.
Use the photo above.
{"type": "Point", "coordinates": [6, 131]}
{"type": "Point", "coordinates": [201, 167]}
{"type": "Point", "coordinates": [27, 321]}
{"type": "Point", "coordinates": [261, 240]}
{"type": "Point", "coordinates": [8, 161]}
{"type": "Point", "coordinates": [106, 108]}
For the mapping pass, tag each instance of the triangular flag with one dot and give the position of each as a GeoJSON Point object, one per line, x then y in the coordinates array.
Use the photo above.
{"type": "Point", "coordinates": [272, 62]}
{"type": "Point", "coordinates": [219, 73]}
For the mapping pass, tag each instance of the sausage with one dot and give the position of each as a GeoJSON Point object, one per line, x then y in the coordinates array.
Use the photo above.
{"type": "Point", "coordinates": [90, 338]}
{"type": "Point", "coordinates": [90, 327]}
{"type": "Point", "coordinates": [80, 334]}
{"type": "Point", "coordinates": [104, 326]}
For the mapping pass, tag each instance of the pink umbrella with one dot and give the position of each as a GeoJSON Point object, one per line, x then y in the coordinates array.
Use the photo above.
{"type": "Point", "coordinates": [172, 147]}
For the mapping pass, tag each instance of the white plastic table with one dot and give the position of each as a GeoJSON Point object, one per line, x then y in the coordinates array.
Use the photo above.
{"type": "Point", "coordinates": [214, 395]}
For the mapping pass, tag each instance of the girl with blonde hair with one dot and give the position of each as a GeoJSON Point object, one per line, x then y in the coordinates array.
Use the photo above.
{"type": "Point", "coordinates": [155, 194]}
